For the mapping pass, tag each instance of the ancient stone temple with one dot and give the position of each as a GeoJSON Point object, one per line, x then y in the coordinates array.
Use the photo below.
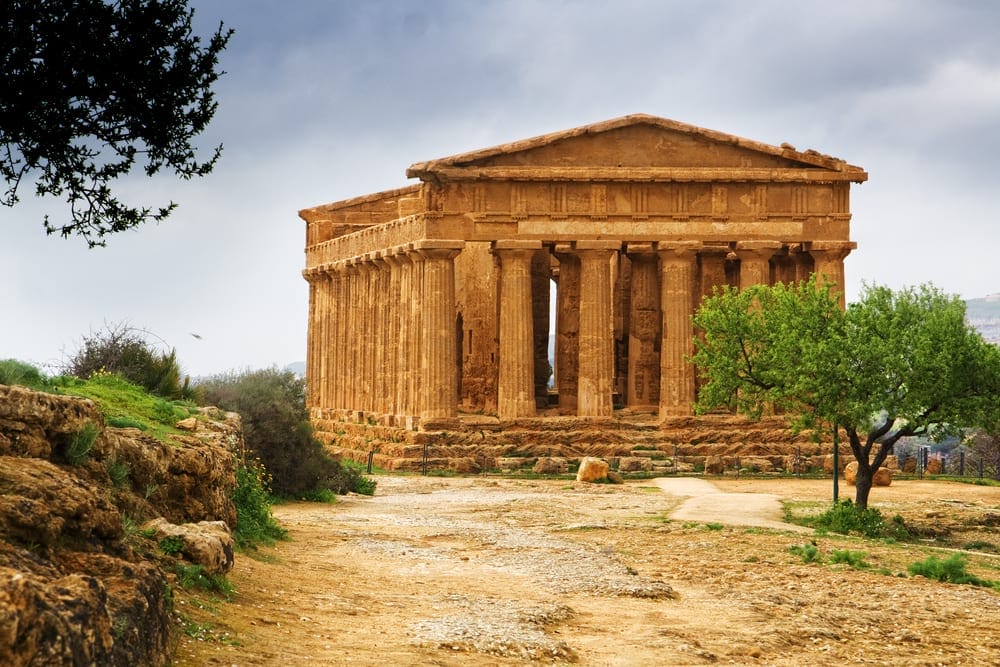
{"type": "Point", "coordinates": [431, 307]}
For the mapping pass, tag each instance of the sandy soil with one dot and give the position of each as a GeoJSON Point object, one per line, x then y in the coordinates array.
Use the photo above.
{"type": "Point", "coordinates": [486, 571]}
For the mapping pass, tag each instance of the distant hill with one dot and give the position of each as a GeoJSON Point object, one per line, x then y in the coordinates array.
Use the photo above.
{"type": "Point", "coordinates": [297, 367]}
{"type": "Point", "coordinates": [984, 315]}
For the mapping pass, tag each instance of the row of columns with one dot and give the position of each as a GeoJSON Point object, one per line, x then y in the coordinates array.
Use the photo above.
{"type": "Point", "coordinates": [665, 289]}
{"type": "Point", "coordinates": [381, 334]}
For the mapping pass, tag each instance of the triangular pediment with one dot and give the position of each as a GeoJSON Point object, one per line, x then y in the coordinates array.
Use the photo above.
{"type": "Point", "coordinates": [640, 142]}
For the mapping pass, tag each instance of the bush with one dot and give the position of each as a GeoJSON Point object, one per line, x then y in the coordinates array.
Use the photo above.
{"type": "Point", "coordinates": [254, 522]}
{"type": "Point", "coordinates": [14, 372]}
{"type": "Point", "coordinates": [809, 553]}
{"type": "Point", "coordinates": [845, 518]}
{"type": "Point", "coordinates": [277, 431]}
{"type": "Point", "coordinates": [126, 351]}
{"type": "Point", "coordinates": [854, 559]}
{"type": "Point", "coordinates": [951, 570]}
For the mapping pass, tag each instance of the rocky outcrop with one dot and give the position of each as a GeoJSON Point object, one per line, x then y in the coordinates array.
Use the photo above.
{"type": "Point", "coordinates": [79, 583]}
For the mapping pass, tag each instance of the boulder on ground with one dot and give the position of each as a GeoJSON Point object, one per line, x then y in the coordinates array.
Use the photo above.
{"type": "Point", "coordinates": [206, 543]}
{"type": "Point", "coordinates": [756, 464]}
{"type": "Point", "coordinates": [882, 477]}
{"type": "Point", "coordinates": [551, 465]}
{"type": "Point", "coordinates": [592, 469]}
{"type": "Point", "coordinates": [714, 465]}
{"type": "Point", "coordinates": [933, 466]}
{"type": "Point", "coordinates": [635, 464]}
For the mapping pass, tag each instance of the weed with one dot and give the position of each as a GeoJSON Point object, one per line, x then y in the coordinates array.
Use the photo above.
{"type": "Point", "coordinates": [751, 559]}
{"type": "Point", "coordinates": [320, 496]}
{"type": "Point", "coordinates": [845, 518]}
{"type": "Point", "coordinates": [980, 545]}
{"type": "Point", "coordinates": [809, 553]}
{"type": "Point", "coordinates": [254, 522]}
{"type": "Point", "coordinates": [951, 570]}
{"type": "Point", "coordinates": [193, 576]}
{"type": "Point", "coordinates": [126, 422]}
{"type": "Point", "coordinates": [171, 545]}
{"type": "Point", "coordinates": [78, 450]}
{"type": "Point", "coordinates": [853, 559]}
{"type": "Point", "coordinates": [119, 473]}
{"type": "Point", "coordinates": [119, 626]}
{"type": "Point", "coordinates": [714, 526]}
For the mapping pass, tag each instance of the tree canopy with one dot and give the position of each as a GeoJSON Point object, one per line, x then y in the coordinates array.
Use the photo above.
{"type": "Point", "coordinates": [895, 364]}
{"type": "Point", "coordinates": [89, 88]}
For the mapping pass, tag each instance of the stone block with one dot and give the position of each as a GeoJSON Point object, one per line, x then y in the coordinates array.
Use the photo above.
{"type": "Point", "coordinates": [634, 464]}
{"type": "Point", "coordinates": [592, 470]}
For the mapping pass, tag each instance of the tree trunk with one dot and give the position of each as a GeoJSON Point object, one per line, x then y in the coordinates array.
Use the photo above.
{"type": "Point", "coordinates": [863, 485]}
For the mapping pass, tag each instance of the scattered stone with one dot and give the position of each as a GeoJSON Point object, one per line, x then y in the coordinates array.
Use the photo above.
{"type": "Point", "coordinates": [615, 478]}
{"type": "Point", "coordinates": [882, 477]}
{"type": "Point", "coordinates": [551, 465]}
{"type": "Point", "coordinates": [634, 464]}
{"type": "Point", "coordinates": [714, 465]}
{"type": "Point", "coordinates": [206, 543]}
{"type": "Point", "coordinates": [592, 470]}
{"type": "Point", "coordinates": [189, 424]}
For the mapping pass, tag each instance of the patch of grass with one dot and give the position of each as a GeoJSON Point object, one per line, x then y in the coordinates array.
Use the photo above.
{"type": "Point", "coordinates": [119, 473]}
{"type": "Point", "coordinates": [808, 552]}
{"type": "Point", "coordinates": [14, 372]}
{"type": "Point", "coordinates": [951, 570]}
{"type": "Point", "coordinates": [127, 404]}
{"type": "Point", "coordinates": [321, 496]}
{"type": "Point", "coordinates": [980, 545]}
{"type": "Point", "coordinates": [854, 559]}
{"type": "Point", "coordinates": [80, 445]}
{"type": "Point", "coordinates": [193, 576]}
{"type": "Point", "coordinates": [714, 526]}
{"type": "Point", "coordinates": [649, 489]}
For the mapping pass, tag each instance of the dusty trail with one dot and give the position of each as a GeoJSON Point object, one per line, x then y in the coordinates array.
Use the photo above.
{"type": "Point", "coordinates": [479, 571]}
{"type": "Point", "coordinates": [705, 502]}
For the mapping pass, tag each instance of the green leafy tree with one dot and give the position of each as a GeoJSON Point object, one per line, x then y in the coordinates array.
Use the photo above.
{"type": "Point", "coordinates": [88, 88]}
{"type": "Point", "coordinates": [895, 364]}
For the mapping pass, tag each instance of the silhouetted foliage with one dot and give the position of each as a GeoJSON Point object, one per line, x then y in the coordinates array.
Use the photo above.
{"type": "Point", "coordinates": [277, 431]}
{"type": "Point", "coordinates": [126, 351]}
{"type": "Point", "coordinates": [89, 87]}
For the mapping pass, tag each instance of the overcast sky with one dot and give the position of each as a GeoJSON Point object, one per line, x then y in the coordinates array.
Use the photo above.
{"type": "Point", "coordinates": [326, 100]}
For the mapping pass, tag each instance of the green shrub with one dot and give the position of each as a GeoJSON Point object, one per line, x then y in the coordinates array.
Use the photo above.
{"type": "Point", "coordinates": [855, 559]}
{"type": "Point", "coordinates": [171, 545]}
{"type": "Point", "coordinates": [14, 372]}
{"type": "Point", "coordinates": [277, 431]}
{"type": "Point", "coordinates": [845, 518]}
{"type": "Point", "coordinates": [809, 553]}
{"type": "Point", "coordinates": [951, 570]}
{"type": "Point", "coordinates": [254, 522]}
{"type": "Point", "coordinates": [78, 449]}
{"type": "Point", "coordinates": [126, 351]}
{"type": "Point", "coordinates": [126, 422]}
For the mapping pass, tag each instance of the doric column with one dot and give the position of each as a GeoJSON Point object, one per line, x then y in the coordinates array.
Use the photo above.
{"type": "Point", "coordinates": [643, 327]}
{"type": "Point", "coordinates": [364, 378]}
{"type": "Point", "coordinates": [828, 258]}
{"type": "Point", "coordinates": [596, 361]}
{"type": "Point", "coordinates": [405, 356]}
{"type": "Point", "coordinates": [416, 384]}
{"type": "Point", "coordinates": [339, 338]}
{"type": "Point", "coordinates": [711, 270]}
{"type": "Point", "coordinates": [393, 333]}
{"type": "Point", "coordinates": [312, 338]}
{"type": "Point", "coordinates": [438, 367]}
{"type": "Point", "coordinates": [678, 261]}
{"type": "Point", "coordinates": [755, 261]}
{"type": "Point", "coordinates": [516, 382]}
{"type": "Point", "coordinates": [330, 352]}
{"type": "Point", "coordinates": [352, 398]}
{"type": "Point", "coordinates": [379, 339]}
{"type": "Point", "coordinates": [567, 326]}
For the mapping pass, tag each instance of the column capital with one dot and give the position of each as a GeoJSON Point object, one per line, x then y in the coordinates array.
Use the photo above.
{"type": "Point", "coordinates": [640, 249]}
{"type": "Point", "coordinates": [678, 249]}
{"type": "Point", "coordinates": [757, 247]}
{"type": "Point", "coordinates": [833, 249]}
{"type": "Point", "coordinates": [588, 245]}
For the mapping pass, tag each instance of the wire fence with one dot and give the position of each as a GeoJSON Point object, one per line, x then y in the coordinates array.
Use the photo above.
{"type": "Point", "coordinates": [970, 464]}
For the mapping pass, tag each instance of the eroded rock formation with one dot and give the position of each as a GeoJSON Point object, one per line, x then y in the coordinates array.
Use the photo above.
{"type": "Point", "coordinates": [77, 584]}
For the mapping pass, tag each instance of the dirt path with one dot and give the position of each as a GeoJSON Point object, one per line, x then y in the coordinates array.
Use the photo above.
{"type": "Point", "coordinates": [705, 502]}
{"type": "Point", "coordinates": [476, 571]}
